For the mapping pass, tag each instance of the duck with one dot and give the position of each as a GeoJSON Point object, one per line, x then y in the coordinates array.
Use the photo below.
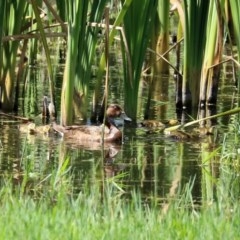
{"type": "Point", "coordinates": [152, 124]}
{"type": "Point", "coordinates": [32, 129]}
{"type": "Point", "coordinates": [107, 132]}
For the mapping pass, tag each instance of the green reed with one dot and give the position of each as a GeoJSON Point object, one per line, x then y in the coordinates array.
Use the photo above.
{"type": "Point", "coordinates": [210, 52]}
{"type": "Point", "coordinates": [138, 24]}
{"type": "Point", "coordinates": [95, 214]}
{"type": "Point", "coordinates": [81, 47]}
{"type": "Point", "coordinates": [74, 12]}
{"type": "Point", "coordinates": [87, 51]}
{"type": "Point", "coordinates": [162, 44]}
{"type": "Point", "coordinates": [102, 63]}
{"type": "Point", "coordinates": [14, 19]}
{"type": "Point", "coordinates": [40, 27]}
{"type": "Point", "coordinates": [33, 43]}
{"type": "Point", "coordinates": [235, 13]}
{"type": "Point", "coordinates": [195, 23]}
{"type": "Point", "coordinates": [202, 32]}
{"type": "Point", "coordinates": [2, 10]}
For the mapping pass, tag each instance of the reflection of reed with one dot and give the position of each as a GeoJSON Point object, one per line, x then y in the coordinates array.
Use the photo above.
{"type": "Point", "coordinates": [173, 188]}
{"type": "Point", "coordinates": [158, 91]}
{"type": "Point", "coordinates": [203, 113]}
{"type": "Point", "coordinates": [210, 169]}
{"type": "Point", "coordinates": [143, 170]}
{"type": "Point", "coordinates": [110, 168]}
{"type": "Point", "coordinates": [10, 165]}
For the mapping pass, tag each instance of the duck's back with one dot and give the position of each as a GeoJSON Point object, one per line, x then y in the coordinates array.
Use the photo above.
{"type": "Point", "coordinates": [83, 133]}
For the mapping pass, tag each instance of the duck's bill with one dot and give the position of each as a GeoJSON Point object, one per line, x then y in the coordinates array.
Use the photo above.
{"type": "Point", "coordinates": [125, 117]}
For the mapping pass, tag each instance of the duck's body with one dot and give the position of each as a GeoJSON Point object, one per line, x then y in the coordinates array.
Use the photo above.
{"type": "Point", "coordinates": [85, 133]}
{"type": "Point", "coordinates": [32, 129]}
{"type": "Point", "coordinates": [89, 133]}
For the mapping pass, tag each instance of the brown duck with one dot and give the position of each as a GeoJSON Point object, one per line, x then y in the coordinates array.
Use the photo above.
{"type": "Point", "coordinates": [107, 132]}
{"type": "Point", "coordinates": [32, 129]}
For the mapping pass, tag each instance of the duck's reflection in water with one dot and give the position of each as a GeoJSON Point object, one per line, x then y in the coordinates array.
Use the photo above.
{"type": "Point", "coordinates": [111, 169]}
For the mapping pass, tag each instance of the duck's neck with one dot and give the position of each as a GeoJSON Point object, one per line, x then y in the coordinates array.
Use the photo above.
{"type": "Point", "coordinates": [115, 134]}
{"type": "Point", "coordinates": [109, 122]}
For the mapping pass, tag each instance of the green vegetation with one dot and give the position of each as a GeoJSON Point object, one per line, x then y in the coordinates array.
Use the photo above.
{"type": "Point", "coordinates": [90, 215]}
{"type": "Point", "coordinates": [234, 4]}
{"type": "Point", "coordinates": [144, 39]}
{"type": "Point", "coordinates": [45, 199]}
{"type": "Point", "coordinates": [47, 205]}
{"type": "Point", "coordinates": [211, 67]}
{"type": "Point", "coordinates": [12, 12]}
{"type": "Point", "coordinates": [235, 11]}
{"type": "Point", "coordinates": [194, 44]}
{"type": "Point", "coordinates": [162, 44]}
{"type": "Point", "coordinates": [138, 23]}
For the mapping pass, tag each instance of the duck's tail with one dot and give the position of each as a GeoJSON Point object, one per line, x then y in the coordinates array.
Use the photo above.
{"type": "Point", "coordinates": [58, 128]}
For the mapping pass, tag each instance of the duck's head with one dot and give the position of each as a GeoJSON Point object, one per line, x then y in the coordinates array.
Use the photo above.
{"type": "Point", "coordinates": [114, 111]}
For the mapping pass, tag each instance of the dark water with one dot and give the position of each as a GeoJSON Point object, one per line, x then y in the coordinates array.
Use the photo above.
{"type": "Point", "coordinates": [158, 166]}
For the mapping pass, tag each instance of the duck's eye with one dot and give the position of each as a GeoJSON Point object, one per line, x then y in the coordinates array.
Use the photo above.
{"type": "Point", "coordinates": [117, 108]}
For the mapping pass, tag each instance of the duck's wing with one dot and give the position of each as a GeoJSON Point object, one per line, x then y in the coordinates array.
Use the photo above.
{"type": "Point", "coordinates": [59, 128]}
{"type": "Point", "coordinates": [80, 131]}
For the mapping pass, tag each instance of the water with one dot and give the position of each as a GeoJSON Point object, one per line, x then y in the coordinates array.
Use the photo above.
{"type": "Point", "coordinates": [158, 166]}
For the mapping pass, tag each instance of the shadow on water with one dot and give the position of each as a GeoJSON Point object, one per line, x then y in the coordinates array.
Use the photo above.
{"type": "Point", "coordinates": [157, 165]}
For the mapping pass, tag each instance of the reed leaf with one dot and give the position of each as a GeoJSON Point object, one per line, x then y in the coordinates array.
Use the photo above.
{"type": "Point", "coordinates": [194, 45]}
{"type": "Point", "coordinates": [138, 23]}
{"type": "Point", "coordinates": [81, 47]}
{"type": "Point", "coordinates": [177, 5]}
{"type": "Point", "coordinates": [61, 9]}
{"type": "Point", "coordinates": [229, 112]}
{"type": "Point", "coordinates": [87, 51]}
{"type": "Point", "coordinates": [2, 13]}
{"type": "Point", "coordinates": [76, 18]}
{"type": "Point", "coordinates": [112, 34]}
{"type": "Point", "coordinates": [14, 19]}
{"type": "Point", "coordinates": [32, 43]}
{"type": "Point", "coordinates": [213, 54]}
{"type": "Point", "coordinates": [56, 16]}
{"type": "Point", "coordinates": [235, 12]}
{"type": "Point", "coordinates": [163, 38]}
{"type": "Point", "coordinates": [46, 49]}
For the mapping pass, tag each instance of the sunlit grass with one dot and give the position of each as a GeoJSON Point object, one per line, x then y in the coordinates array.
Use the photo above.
{"type": "Point", "coordinates": [88, 218]}
{"type": "Point", "coordinates": [96, 214]}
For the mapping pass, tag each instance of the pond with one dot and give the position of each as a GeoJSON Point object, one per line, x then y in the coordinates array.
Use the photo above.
{"type": "Point", "coordinates": [158, 166]}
